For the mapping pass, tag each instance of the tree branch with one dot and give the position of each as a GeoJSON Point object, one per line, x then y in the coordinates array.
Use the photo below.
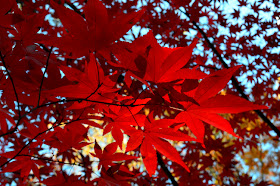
{"type": "Point", "coordinates": [74, 100]}
{"type": "Point", "coordinates": [42, 81]}
{"type": "Point", "coordinates": [74, 8]}
{"type": "Point", "coordinates": [50, 160]}
{"type": "Point", "coordinates": [13, 84]}
{"type": "Point", "coordinates": [165, 169]}
{"type": "Point", "coordinates": [30, 141]}
{"type": "Point", "coordinates": [233, 79]}
{"type": "Point", "coordinates": [99, 85]}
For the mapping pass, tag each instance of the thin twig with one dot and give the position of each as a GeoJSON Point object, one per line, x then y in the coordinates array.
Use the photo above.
{"type": "Point", "coordinates": [133, 117]}
{"type": "Point", "coordinates": [42, 81]}
{"type": "Point", "coordinates": [74, 8]}
{"type": "Point", "coordinates": [165, 169]}
{"type": "Point", "coordinates": [80, 100]}
{"type": "Point", "coordinates": [44, 47]}
{"type": "Point", "coordinates": [30, 141]}
{"type": "Point", "coordinates": [233, 79]}
{"type": "Point", "coordinates": [50, 160]}
{"type": "Point", "coordinates": [99, 85]}
{"type": "Point", "coordinates": [12, 81]}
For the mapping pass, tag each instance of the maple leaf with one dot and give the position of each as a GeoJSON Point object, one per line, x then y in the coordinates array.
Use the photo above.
{"type": "Point", "coordinates": [152, 139]}
{"type": "Point", "coordinates": [147, 60]}
{"type": "Point", "coordinates": [84, 84]}
{"type": "Point", "coordinates": [4, 117]}
{"type": "Point", "coordinates": [32, 130]}
{"type": "Point", "coordinates": [122, 119]}
{"type": "Point", "coordinates": [115, 175]}
{"type": "Point", "coordinates": [95, 31]}
{"type": "Point", "coordinates": [27, 30]}
{"type": "Point", "coordinates": [209, 106]}
{"type": "Point", "coordinates": [138, 90]}
{"type": "Point", "coordinates": [242, 2]}
{"type": "Point", "coordinates": [72, 136]}
{"type": "Point", "coordinates": [236, 13]}
{"type": "Point", "coordinates": [108, 155]}
{"type": "Point", "coordinates": [24, 165]}
{"type": "Point", "coordinates": [61, 179]}
{"type": "Point", "coordinates": [6, 19]}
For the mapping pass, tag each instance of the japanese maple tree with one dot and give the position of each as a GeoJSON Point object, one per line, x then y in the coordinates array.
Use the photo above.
{"type": "Point", "coordinates": [164, 83]}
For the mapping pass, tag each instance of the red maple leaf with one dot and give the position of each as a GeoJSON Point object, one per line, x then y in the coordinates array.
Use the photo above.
{"type": "Point", "coordinates": [152, 138]}
{"type": "Point", "coordinates": [108, 156]}
{"type": "Point", "coordinates": [147, 60]}
{"type": "Point", "coordinates": [209, 106]}
{"type": "Point", "coordinates": [84, 84]}
{"type": "Point", "coordinates": [95, 31]}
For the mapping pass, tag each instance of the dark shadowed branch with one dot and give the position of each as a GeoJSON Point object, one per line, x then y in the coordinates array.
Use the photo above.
{"type": "Point", "coordinates": [12, 81]}
{"type": "Point", "coordinates": [233, 79]}
{"type": "Point", "coordinates": [166, 171]}
{"type": "Point", "coordinates": [42, 81]}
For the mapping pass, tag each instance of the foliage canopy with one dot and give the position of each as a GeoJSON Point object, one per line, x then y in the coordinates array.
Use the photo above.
{"type": "Point", "coordinates": [137, 92]}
